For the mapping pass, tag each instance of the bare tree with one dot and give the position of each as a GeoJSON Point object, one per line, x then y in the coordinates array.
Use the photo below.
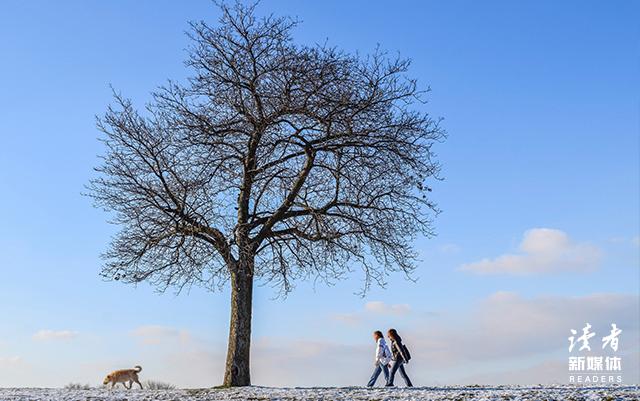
{"type": "Point", "coordinates": [275, 161]}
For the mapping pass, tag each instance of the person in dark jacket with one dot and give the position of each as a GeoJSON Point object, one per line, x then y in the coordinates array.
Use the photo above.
{"type": "Point", "coordinates": [399, 358]}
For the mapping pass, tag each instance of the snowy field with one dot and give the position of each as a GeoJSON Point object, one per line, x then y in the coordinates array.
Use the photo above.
{"type": "Point", "coordinates": [497, 393]}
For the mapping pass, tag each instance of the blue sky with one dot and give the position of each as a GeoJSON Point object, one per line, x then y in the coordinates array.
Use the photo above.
{"type": "Point", "coordinates": [541, 103]}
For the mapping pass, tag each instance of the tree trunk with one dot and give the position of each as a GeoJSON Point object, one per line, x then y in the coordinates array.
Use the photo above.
{"type": "Point", "coordinates": [237, 371]}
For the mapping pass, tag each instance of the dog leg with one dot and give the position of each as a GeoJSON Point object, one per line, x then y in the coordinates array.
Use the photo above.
{"type": "Point", "coordinates": [139, 384]}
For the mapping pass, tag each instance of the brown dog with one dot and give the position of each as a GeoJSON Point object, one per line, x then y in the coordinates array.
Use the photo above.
{"type": "Point", "coordinates": [123, 376]}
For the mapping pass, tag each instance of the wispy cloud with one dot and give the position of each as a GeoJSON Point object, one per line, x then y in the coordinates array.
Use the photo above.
{"type": "Point", "coordinates": [382, 308]}
{"type": "Point", "coordinates": [493, 339]}
{"type": "Point", "coordinates": [155, 334]}
{"type": "Point", "coordinates": [372, 310]}
{"type": "Point", "coordinates": [351, 319]}
{"type": "Point", "coordinates": [47, 335]}
{"type": "Point", "coordinates": [297, 362]}
{"type": "Point", "coordinates": [506, 325]}
{"type": "Point", "coordinates": [12, 360]}
{"type": "Point", "coordinates": [450, 248]}
{"type": "Point", "coordinates": [502, 337]}
{"type": "Point", "coordinates": [635, 241]}
{"type": "Point", "coordinates": [542, 250]}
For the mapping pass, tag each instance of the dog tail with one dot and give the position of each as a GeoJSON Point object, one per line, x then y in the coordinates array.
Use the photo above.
{"type": "Point", "coordinates": [137, 368]}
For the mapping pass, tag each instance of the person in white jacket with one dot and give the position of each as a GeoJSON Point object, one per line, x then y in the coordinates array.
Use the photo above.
{"type": "Point", "coordinates": [383, 357]}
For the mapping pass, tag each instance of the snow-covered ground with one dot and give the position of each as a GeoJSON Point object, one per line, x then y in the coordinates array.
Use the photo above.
{"type": "Point", "coordinates": [454, 393]}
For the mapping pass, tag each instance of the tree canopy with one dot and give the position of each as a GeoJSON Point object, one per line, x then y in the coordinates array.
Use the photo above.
{"type": "Point", "coordinates": [309, 158]}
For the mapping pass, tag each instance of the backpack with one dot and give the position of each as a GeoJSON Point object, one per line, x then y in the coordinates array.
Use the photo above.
{"type": "Point", "coordinates": [406, 353]}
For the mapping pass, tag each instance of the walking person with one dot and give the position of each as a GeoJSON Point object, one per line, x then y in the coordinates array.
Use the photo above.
{"type": "Point", "coordinates": [383, 357]}
{"type": "Point", "coordinates": [401, 356]}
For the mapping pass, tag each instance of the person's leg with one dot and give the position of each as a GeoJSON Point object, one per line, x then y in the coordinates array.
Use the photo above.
{"type": "Point", "coordinates": [394, 368]}
{"type": "Point", "coordinates": [385, 370]}
{"type": "Point", "coordinates": [374, 376]}
{"type": "Point", "coordinates": [403, 373]}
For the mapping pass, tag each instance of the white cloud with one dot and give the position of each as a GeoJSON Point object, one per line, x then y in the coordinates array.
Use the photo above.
{"type": "Point", "coordinates": [514, 325]}
{"type": "Point", "coordinates": [351, 319]}
{"type": "Point", "coordinates": [382, 308]}
{"type": "Point", "coordinates": [153, 334]}
{"type": "Point", "coordinates": [506, 325]}
{"type": "Point", "coordinates": [295, 362]}
{"type": "Point", "coordinates": [372, 312]}
{"type": "Point", "coordinates": [12, 360]}
{"type": "Point", "coordinates": [618, 240]}
{"type": "Point", "coordinates": [275, 361]}
{"type": "Point", "coordinates": [46, 335]}
{"type": "Point", "coordinates": [542, 250]}
{"type": "Point", "coordinates": [635, 241]}
{"type": "Point", "coordinates": [15, 372]}
{"type": "Point", "coordinates": [450, 248]}
{"type": "Point", "coordinates": [550, 371]}
{"type": "Point", "coordinates": [505, 338]}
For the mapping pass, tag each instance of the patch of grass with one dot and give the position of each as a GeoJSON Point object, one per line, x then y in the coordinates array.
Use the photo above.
{"type": "Point", "coordinates": [77, 386]}
{"type": "Point", "coordinates": [195, 391]}
{"type": "Point", "coordinates": [157, 385]}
